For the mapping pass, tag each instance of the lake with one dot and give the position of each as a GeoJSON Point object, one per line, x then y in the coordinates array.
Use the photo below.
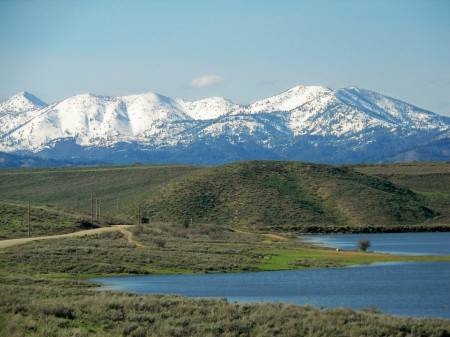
{"type": "Point", "coordinates": [412, 289]}
{"type": "Point", "coordinates": [396, 243]}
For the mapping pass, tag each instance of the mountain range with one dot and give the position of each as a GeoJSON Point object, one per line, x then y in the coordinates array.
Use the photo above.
{"type": "Point", "coordinates": [306, 123]}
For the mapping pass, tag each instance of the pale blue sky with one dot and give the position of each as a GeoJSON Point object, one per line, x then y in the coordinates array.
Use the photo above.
{"type": "Point", "coordinates": [250, 49]}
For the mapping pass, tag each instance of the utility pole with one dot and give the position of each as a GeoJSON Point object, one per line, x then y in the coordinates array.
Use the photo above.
{"type": "Point", "coordinates": [98, 202]}
{"type": "Point", "coordinates": [99, 208]}
{"type": "Point", "coordinates": [92, 209]}
{"type": "Point", "coordinates": [139, 215]}
{"type": "Point", "coordinates": [28, 219]}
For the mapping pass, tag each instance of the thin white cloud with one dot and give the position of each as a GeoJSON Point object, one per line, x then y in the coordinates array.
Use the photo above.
{"type": "Point", "coordinates": [445, 82]}
{"type": "Point", "coordinates": [206, 81]}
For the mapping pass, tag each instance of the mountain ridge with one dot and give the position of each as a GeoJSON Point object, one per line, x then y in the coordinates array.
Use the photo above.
{"type": "Point", "coordinates": [302, 123]}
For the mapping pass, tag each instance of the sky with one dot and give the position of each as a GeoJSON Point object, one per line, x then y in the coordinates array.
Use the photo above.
{"type": "Point", "coordinates": [243, 50]}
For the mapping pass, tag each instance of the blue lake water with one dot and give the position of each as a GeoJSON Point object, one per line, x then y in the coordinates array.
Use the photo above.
{"type": "Point", "coordinates": [411, 289]}
{"type": "Point", "coordinates": [397, 243]}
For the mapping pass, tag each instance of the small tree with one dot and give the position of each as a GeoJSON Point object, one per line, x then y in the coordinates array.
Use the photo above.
{"type": "Point", "coordinates": [364, 244]}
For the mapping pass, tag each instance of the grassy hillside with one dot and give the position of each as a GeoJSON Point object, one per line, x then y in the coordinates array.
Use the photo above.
{"type": "Point", "coordinates": [120, 188]}
{"type": "Point", "coordinates": [44, 220]}
{"type": "Point", "coordinates": [286, 195]}
{"type": "Point", "coordinates": [430, 180]}
{"type": "Point", "coordinates": [259, 194]}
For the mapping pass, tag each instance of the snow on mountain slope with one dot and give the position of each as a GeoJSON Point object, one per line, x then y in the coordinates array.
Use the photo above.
{"type": "Point", "coordinates": [287, 100]}
{"type": "Point", "coordinates": [23, 101]}
{"type": "Point", "coordinates": [18, 110]}
{"type": "Point", "coordinates": [209, 108]}
{"type": "Point", "coordinates": [149, 112]}
{"type": "Point", "coordinates": [388, 109]}
{"type": "Point", "coordinates": [353, 110]}
{"type": "Point", "coordinates": [98, 120]}
{"type": "Point", "coordinates": [263, 129]}
{"type": "Point", "coordinates": [328, 116]}
{"type": "Point", "coordinates": [87, 117]}
{"type": "Point", "coordinates": [81, 116]}
{"type": "Point", "coordinates": [153, 121]}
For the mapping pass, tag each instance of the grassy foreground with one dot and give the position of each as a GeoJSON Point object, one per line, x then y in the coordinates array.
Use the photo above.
{"type": "Point", "coordinates": [44, 292]}
{"type": "Point", "coordinates": [62, 309]}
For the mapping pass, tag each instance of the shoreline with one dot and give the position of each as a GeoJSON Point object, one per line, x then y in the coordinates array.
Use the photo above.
{"type": "Point", "coordinates": [313, 229]}
{"type": "Point", "coordinates": [122, 284]}
{"type": "Point", "coordinates": [58, 292]}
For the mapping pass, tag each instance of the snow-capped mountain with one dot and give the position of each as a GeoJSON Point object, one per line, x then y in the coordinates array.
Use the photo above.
{"type": "Point", "coordinates": [288, 100]}
{"type": "Point", "coordinates": [209, 108]}
{"type": "Point", "coordinates": [23, 101]}
{"type": "Point", "coordinates": [18, 110]}
{"type": "Point", "coordinates": [310, 123]}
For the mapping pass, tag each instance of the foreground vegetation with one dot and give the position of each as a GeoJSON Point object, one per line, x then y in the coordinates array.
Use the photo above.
{"type": "Point", "coordinates": [63, 308]}
{"type": "Point", "coordinates": [44, 289]}
{"type": "Point", "coordinates": [170, 248]}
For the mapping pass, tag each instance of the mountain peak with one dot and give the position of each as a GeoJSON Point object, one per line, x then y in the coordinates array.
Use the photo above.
{"type": "Point", "coordinates": [308, 88]}
{"type": "Point", "coordinates": [26, 96]}
{"type": "Point", "coordinates": [208, 108]}
{"type": "Point", "coordinates": [22, 101]}
{"type": "Point", "coordinates": [290, 99]}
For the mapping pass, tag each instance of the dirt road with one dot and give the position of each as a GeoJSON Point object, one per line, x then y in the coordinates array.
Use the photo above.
{"type": "Point", "coordinates": [121, 228]}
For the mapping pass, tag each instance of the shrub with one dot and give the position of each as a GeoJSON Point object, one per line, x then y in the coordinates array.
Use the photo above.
{"type": "Point", "coordinates": [364, 244]}
{"type": "Point", "coordinates": [159, 242]}
{"type": "Point", "coordinates": [137, 230]}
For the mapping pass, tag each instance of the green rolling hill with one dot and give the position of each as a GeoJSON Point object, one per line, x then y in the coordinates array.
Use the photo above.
{"type": "Point", "coordinates": [17, 222]}
{"type": "Point", "coordinates": [287, 195]}
{"type": "Point", "coordinates": [120, 188]}
{"type": "Point", "coordinates": [265, 195]}
{"type": "Point", "coordinates": [431, 180]}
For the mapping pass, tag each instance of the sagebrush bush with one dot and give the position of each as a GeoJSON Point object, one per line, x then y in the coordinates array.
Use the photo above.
{"type": "Point", "coordinates": [56, 309]}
